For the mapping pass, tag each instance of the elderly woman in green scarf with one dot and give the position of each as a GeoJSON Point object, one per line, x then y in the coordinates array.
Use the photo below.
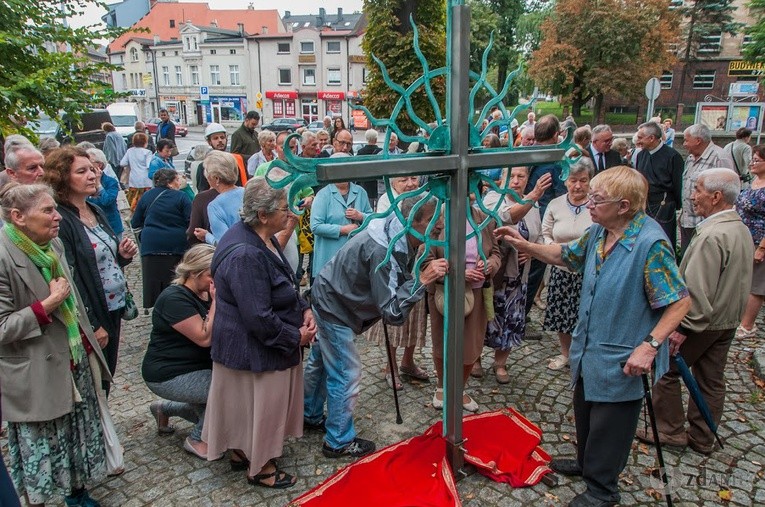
{"type": "Point", "coordinates": [50, 361]}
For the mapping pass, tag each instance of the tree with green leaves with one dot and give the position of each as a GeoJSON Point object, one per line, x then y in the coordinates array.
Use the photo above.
{"type": "Point", "coordinates": [702, 20]}
{"type": "Point", "coordinates": [390, 38]}
{"type": "Point", "coordinates": [43, 62]}
{"type": "Point", "coordinates": [755, 51]}
{"type": "Point", "coordinates": [595, 49]}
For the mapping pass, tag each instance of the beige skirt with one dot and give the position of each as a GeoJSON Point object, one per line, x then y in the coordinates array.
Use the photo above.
{"type": "Point", "coordinates": [411, 334]}
{"type": "Point", "coordinates": [475, 330]}
{"type": "Point", "coordinates": [253, 412]}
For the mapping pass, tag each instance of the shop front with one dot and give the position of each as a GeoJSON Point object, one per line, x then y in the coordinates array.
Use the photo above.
{"type": "Point", "coordinates": [333, 102]}
{"type": "Point", "coordinates": [176, 107]}
{"type": "Point", "coordinates": [225, 109]}
{"type": "Point", "coordinates": [282, 103]}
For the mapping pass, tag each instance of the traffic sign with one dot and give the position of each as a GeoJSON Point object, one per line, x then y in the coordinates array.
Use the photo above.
{"type": "Point", "coordinates": [204, 94]}
{"type": "Point", "coordinates": [652, 89]}
{"type": "Point", "coordinates": [258, 95]}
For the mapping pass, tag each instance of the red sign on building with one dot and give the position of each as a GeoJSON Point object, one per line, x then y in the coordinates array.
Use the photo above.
{"type": "Point", "coordinates": [281, 94]}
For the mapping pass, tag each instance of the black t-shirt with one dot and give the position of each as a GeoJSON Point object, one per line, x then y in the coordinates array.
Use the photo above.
{"type": "Point", "coordinates": [170, 353]}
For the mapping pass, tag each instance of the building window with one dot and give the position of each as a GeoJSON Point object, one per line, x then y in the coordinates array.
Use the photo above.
{"type": "Point", "coordinates": [233, 71]}
{"type": "Point", "coordinates": [283, 48]}
{"type": "Point", "coordinates": [711, 43]}
{"type": "Point", "coordinates": [278, 108]}
{"type": "Point", "coordinates": [176, 53]}
{"type": "Point", "coordinates": [747, 40]}
{"type": "Point", "coordinates": [163, 53]}
{"type": "Point", "coordinates": [704, 80]}
{"type": "Point", "coordinates": [124, 81]}
{"type": "Point", "coordinates": [306, 47]}
{"type": "Point", "coordinates": [172, 23]}
{"type": "Point", "coordinates": [194, 74]}
{"type": "Point", "coordinates": [666, 80]}
{"type": "Point", "coordinates": [213, 51]}
{"type": "Point", "coordinates": [133, 55]}
{"type": "Point", "coordinates": [309, 76]}
{"type": "Point", "coordinates": [285, 76]}
{"type": "Point", "coordinates": [166, 75]}
{"type": "Point", "coordinates": [232, 51]}
{"type": "Point", "coordinates": [364, 75]}
{"type": "Point", "coordinates": [214, 75]}
{"type": "Point", "coordinates": [178, 75]}
{"type": "Point", "coordinates": [334, 77]}
{"type": "Point", "coordinates": [333, 46]}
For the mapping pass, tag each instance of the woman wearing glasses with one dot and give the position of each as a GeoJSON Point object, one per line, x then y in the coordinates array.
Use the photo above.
{"type": "Point", "coordinates": [751, 206]}
{"type": "Point", "coordinates": [632, 298]}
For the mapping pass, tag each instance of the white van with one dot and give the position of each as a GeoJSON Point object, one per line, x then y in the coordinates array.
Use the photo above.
{"type": "Point", "coordinates": [124, 115]}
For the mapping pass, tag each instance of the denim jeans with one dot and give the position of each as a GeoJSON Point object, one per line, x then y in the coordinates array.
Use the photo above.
{"type": "Point", "coordinates": [333, 373]}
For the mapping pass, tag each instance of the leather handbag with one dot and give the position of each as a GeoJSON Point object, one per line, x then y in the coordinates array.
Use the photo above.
{"type": "Point", "coordinates": [439, 297]}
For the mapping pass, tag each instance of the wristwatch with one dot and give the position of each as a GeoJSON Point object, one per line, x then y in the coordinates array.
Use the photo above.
{"type": "Point", "coordinates": [650, 340]}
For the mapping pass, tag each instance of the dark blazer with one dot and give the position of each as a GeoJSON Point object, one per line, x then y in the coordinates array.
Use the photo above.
{"type": "Point", "coordinates": [82, 260]}
{"type": "Point", "coordinates": [613, 158]}
{"type": "Point", "coordinates": [35, 360]}
{"type": "Point", "coordinates": [258, 311]}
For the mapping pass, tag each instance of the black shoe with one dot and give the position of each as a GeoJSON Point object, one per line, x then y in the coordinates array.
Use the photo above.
{"type": "Point", "coordinates": [319, 426]}
{"type": "Point", "coordinates": [356, 449]}
{"type": "Point", "coordinates": [566, 466]}
{"type": "Point", "coordinates": [587, 500]}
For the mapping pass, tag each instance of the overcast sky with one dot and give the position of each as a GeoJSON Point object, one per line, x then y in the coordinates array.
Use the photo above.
{"type": "Point", "coordinates": [93, 14]}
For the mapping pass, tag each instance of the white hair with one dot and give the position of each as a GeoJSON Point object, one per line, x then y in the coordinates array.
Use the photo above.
{"type": "Point", "coordinates": [723, 180]}
{"type": "Point", "coordinates": [699, 131]}
{"type": "Point", "coordinates": [371, 136]}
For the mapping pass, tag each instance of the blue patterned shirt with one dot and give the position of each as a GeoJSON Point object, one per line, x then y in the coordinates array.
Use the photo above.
{"type": "Point", "coordinates": [662, 280]}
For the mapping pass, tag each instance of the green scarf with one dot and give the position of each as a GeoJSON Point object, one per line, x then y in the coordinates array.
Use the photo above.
{"type": "Point", "coordinates": [44, 258]}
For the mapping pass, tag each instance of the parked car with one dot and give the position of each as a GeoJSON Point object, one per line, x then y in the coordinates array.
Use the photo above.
{"type": "Point", "coordinates": [285, 124]}
{"type": "Point", "coordinates": [151, 126]}
{"type": "Point", "coordinates": [316, 126]}
{"type": "Point", "coordinates": [66, 131]}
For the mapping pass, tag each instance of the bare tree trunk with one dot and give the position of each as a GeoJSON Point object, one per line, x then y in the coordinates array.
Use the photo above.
{"type": "Point", "coordinates": [599, 112]}
{"type": "Point", "coordinates": [686, 58]}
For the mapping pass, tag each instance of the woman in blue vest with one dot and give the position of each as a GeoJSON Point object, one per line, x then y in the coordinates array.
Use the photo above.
{"type": "Point", "coordinates": [632, 298]}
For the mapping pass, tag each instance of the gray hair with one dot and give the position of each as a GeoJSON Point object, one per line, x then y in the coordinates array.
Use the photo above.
{"type": "Point", "coordinates": [408, 204]}
{"type": "Point", "coordinates": [306, 137]}
{"type": "Point", "coordinates": [265, 135]}
{"type": "Point", "coordinates": [222, 165]}
{"type": "Point", "coordinates": [85, 145]}
{"type": "Point", "coordinates": [394, 136]}
{"type": "Point", "coordinates": [723, 180]}
{"type": "Point", "coordinates": [597, 129]}
{"type": "Point", "coordinates": [15, 140]}
{"type": "Point", "coordinates": [12, 154]}
{"type": "Point", "coordinates": [699, 131]}
{"type": "Point", "coordinates": [21, 197]}
{"type": "Point", "coordinates": [48, 143]}
{"type": "Point", "coordinates": [139, 126]}
{"type": "Point", "coordinates": [652, 128]}
{"type": "Point", "coordinates": [259, 196]}
{"type": "Point", "coordinates": [619, 143]}
{"type": "Point", "coordinates": [584, 164]}
{"type": "Point", "coordinates": [371, 136]}
{"type": "Point", "coordinates": [200, 151]}
{"type": "Point", "coordinates": [98, 156]}
{"type": "Point", "coordinates": [322, 132]}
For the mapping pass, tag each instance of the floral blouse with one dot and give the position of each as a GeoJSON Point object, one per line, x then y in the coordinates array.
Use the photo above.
{"type": "Point", "coordinates": [112, 277]}
{"type": "Point", "coordinates": [750, 205]}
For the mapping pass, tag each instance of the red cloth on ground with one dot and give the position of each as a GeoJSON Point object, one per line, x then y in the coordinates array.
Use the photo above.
{"type": "Point", "coordinates": [412, 472]}
{"type": "Point", "coordinates": [502, 445]}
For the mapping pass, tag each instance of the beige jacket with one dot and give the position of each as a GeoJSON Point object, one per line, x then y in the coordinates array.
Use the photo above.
{"type": "Point", "coordinates": [35, 377]}
{"type": "Point", "coordinates": [717, 268]}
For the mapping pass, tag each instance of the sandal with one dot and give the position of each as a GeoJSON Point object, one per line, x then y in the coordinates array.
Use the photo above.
{"type": "Point", "coordinates": [389, 379]}
{"type": "Point", "coordinates": [414, 372]}
{"type": "Point", "coordinates": [282, 479]}
{"type": "Point", "coordinates": [500, 372]}
{"type": "Point", "coordinates": [238, 461]}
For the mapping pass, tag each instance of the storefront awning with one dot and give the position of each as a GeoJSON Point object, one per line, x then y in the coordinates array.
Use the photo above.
{"type": "Point", "coordinates": [331, 95]}
{"type": "Point", "coordinates": [281, 94]}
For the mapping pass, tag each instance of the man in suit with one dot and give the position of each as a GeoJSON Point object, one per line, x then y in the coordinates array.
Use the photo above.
{"type": "Point", "coordinates": [718, 271]}
{"type": "Point", "coordinates": [603, 157]}
{"type": "Point", "coordinates": [663, 167]}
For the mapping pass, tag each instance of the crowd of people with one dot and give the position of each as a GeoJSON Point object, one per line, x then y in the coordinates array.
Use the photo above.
{"type": "Point", "coordinates": [240, 288]}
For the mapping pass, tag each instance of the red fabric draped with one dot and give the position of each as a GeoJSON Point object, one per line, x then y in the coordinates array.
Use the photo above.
{"type": "Point", "coordinates": [502, 445]}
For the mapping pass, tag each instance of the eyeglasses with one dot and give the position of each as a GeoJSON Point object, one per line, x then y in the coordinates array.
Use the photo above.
{"type": "Point", "coordinates": [593, 202]}
{"type": "Point", "coordinates": [756, 161]}
{"type": "Point", "coordinates": [344, 143]}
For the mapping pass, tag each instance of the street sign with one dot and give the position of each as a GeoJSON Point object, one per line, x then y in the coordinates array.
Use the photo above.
{"type": "Point", "coordinates": [258, 104]}
{"type": "Point", "coordinates": [204, 95]}
{"type": "Point", "coordinates": [744, 89]}
{"type": "Point", "coordinates": [652, 89]}
{"type": "Point", "coordinates": [258, 95]}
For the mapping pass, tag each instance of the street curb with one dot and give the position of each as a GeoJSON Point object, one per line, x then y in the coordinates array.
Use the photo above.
{"type": "Point", "coordinates": [758, 358]}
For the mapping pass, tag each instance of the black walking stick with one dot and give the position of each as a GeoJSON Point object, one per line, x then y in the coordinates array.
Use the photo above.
{"type": "Point", "coordinates": [399, 420]}
{"type": "Point", "coordinates": [655, 429]}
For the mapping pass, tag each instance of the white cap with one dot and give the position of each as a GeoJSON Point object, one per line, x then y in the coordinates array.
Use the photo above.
{"type": "Point", "coordinates": [514, 123]}
{"type": "Point", "coordinates": [214, 128]}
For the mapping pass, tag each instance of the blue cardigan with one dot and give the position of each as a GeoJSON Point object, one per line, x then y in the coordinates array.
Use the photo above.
{"type": "Point", "coordinates": [258, 309]}
{"type": "Point", "coordinates": [164, 219]}
{"type": "Point", "coordinates": [107, 201]}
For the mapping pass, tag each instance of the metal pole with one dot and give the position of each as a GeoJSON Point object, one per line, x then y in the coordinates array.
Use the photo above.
{"type": "Point", "coordinates": [454, 324]}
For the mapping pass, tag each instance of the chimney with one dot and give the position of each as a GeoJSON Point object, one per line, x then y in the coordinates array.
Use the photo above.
{"type": "Point", "coordinates": [240, 26]}
{"type": "Point", "coordinates": [156, 40]}
{"type": "Point", "coordinates": [287, 14]}
{"type": "Point", "coordinates": [264, 30]}
{"type": "Point", "coordinates": [339, 14]}
{"type": "Point", "coordinates": [214, 23]}
{"type": "Point", "coordinates": [321, 18]}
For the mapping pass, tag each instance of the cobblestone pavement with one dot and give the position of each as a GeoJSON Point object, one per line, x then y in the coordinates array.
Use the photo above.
{"type": "Point", "coordinates": [158, 471]}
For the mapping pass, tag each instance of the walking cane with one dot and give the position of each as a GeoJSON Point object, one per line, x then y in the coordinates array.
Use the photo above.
{"type": "Point", "coordinates": [399, 420]}
{"type": "Point", "coordinates": [655, 429]}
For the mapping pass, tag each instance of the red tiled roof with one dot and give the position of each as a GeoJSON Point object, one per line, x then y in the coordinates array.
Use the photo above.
{"type": "Point", "coordinates": [158, 21]}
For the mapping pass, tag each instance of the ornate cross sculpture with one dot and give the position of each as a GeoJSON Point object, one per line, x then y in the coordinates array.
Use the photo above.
{"type": "Point", "coordinates": [453, 157]}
